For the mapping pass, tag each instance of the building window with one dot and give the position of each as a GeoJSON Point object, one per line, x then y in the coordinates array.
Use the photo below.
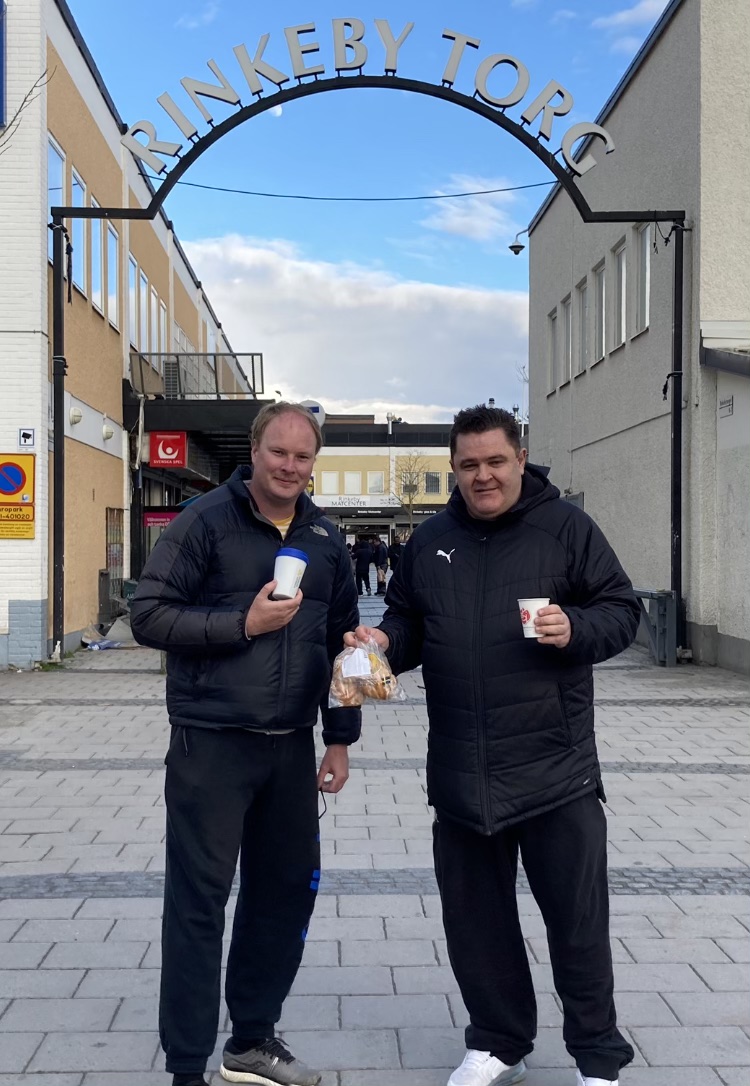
{"type": "Point", "coordinates": [352, 482]}
{"type": "Point", "coordinates": [329, 482]}
{"type": "Point", "coordinates": [78, 235]}
{"type": "Point", "coordinates": [450, 481]}
{"type": "Point", "coordinates": [143, 307]}
{"type": "Point", "coordinates": [553, 362]}
{"type": "Point", "coordinates": [620, 301]}
{"type": "Point", "coordinates": [164, 348]}
{"type": "Point", "coordinates": [583, 326]}
{"type": "Point", "coordinates": [567, 340]}
{"type": "Point", "coordinates": [432, 482]}
{"type": "Point", "coordinates": [133, 301]}
{"type": "Point", "coordinates": [600, 311]}
{"type": "Point", "coordinates": [154, 328]}
{"type": "Point", "coordinates": [376, 482]}
{"type": "Point", "coordinates": [97, 286]}
{"type": "Point", "coordinates": [55, 182]}
{"type": "Point", "coordinates": [644, 277]}
{"type": "Point", "coordinates": [113, 276]}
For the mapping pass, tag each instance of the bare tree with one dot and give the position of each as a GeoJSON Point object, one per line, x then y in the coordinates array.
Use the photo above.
{"type": "Point", "coordinates": [31, 96]}
{"type": "Point", "coordinates": [410, 471]}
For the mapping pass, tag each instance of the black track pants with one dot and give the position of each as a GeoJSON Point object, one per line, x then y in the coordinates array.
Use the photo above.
{"type": "Point", "coordinates": [564, 854]}
{"type": "Point", "coordinates": [233, 793]}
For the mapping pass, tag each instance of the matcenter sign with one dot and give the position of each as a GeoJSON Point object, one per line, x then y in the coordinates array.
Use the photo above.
{"type": "Point", "coordinates": [352, 51]}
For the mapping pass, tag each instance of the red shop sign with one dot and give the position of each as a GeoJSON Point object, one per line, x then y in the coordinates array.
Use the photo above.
{"type": "Point", "coordinates": [168, 450]}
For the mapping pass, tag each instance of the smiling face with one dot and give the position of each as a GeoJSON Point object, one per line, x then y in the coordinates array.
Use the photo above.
{"type": "Point", "coordinates": [489, 472]}
{"type": "Point", "coordinates": [283, 461]}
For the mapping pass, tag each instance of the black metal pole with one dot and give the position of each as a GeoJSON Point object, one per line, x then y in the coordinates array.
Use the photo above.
{"type": "Point", "coordinates": [676, 473]}
{"type": "Point", "coordinates": [59, 369]}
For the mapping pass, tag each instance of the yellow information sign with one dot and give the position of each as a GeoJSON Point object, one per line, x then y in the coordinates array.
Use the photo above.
{"type": "Point", "coordinates": [17, 522]}
{"type": "Point", "coordinates": [17, 478]}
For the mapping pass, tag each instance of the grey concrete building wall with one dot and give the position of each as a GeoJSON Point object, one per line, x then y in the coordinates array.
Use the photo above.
{"type": "Point", "coordinates": [719, 452]}
{"type": "Point", "coordinates": [606, 432]}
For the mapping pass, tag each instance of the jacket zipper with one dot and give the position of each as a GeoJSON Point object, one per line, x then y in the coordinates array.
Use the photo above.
{"type": "Point", "coordinates": [284, 655]}
{"type": "Point", "coordinates": [484, 799]}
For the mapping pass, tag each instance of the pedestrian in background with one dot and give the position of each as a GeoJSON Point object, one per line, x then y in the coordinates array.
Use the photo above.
{"type": "Point", "coordinates": [394, 553]}
{"type": "Point", "coordinates": [512, 765]}
{"type": "Point", "coordinates": [362, 554]}
{"type": "Point", "coordinates": [380, 558]}
{"type": "Point", "coordinates": [246, 676]}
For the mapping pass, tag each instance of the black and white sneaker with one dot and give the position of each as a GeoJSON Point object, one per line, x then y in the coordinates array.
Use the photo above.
{"type": "Point", "coordinates": [269, 1064]}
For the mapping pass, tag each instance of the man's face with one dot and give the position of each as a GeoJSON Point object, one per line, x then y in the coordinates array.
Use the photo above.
{"type": "Point", "coordinates": [283, 460]}
{"type": "Point", "coordinates": [488, 472]}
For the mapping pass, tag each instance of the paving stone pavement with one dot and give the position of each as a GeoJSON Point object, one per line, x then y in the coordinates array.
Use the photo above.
{"type": "Point", "coordinates": [375, 1003]}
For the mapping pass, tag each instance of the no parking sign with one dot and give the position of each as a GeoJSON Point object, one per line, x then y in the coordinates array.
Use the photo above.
{"type": "Point", "coordinates": [17, 480]}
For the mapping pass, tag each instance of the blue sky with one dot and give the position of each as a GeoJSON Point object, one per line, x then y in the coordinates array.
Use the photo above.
{"type": "Point", "coordinates": [315, 284]}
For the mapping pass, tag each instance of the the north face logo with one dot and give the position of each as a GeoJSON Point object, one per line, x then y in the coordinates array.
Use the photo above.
{"type": "Point", "coordinates": [318, 529]}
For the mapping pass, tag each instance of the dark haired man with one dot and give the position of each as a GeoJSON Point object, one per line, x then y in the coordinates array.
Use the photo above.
{"type": "Point", "coordinates": [246, 675]}
{"type": "Point", "coordinates": [512, 764]}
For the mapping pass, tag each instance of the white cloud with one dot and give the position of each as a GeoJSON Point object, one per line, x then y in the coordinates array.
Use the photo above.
{"type": "Point", "coordinates": [563, 15]}
{"type": "Point", "coordinates": [480, 218]}
{"type": "Point", "coordinates": [358, 338]}
{"type": "Point", "coordinates": [204, 17]}
{"type": "Point", "coordinates": [643, 13]}
{"type": "Point", "coordinates": [627, 44]}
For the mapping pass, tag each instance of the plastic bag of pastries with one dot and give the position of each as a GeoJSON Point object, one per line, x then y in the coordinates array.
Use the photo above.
{"type": "Point", "coordinates": [361, 673]}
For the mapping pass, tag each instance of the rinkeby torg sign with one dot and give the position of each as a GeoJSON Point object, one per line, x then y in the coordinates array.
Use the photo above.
{"type": "Point", "coordinates": [352, 50]}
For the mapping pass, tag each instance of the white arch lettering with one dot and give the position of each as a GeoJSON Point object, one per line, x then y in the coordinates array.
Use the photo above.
{"type": "Point", "coordinates": [224, 93]}
{"type": "Point", "coordinates": [392, 45]}
{"type": "Point", "coordinates": [341, 43]}
{"type": "Point", "coordinates": [298, 50]}
{"type": "Point", "coordinates": [583, 128]}
{"type": "Point", "coordinates": [256, 67]}
{"type": "Point", "coordinates": [148, 152]}
{"type": "Point", "coordinates": [487, 66]}
{"type": "Point", "coordinates": [543, 104]}
{"type": "Point", "coordinates": [351, 52]}
{"type": "Point", "coordinates": [460, 41]}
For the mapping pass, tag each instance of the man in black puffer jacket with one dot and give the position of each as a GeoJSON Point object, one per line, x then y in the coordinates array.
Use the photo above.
{"type": "Point", "coordinates": [246, 675]}
{"type": "Point", "coordinates": [512, 763]}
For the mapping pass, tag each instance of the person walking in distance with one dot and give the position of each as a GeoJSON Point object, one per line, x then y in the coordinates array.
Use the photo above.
{"type": "Point", "coordinates": [246, 677]}
{"type": "Point", "coordinates": [394, 553]}
{"type": "Point", "coordinates": [362, 555]}
{"type": "Point", "coordinates": [380, 558]}
{"type": "Point", "coordinates": [512, 766]}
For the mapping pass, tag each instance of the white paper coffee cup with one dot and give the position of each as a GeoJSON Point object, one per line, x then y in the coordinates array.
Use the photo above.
{"type": "Point", "coordinates": [288, 571]}
{"type": "Point", "coordinates": [528, 609]}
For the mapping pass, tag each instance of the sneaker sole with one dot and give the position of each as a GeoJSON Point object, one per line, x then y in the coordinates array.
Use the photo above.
{"type": "Point", "coordinates": [246, 1076]}
{"type": "Point", "coordinates": [504, 1080]}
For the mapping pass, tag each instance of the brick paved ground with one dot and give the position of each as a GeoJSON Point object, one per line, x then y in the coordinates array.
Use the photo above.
{"type": "Point", "coordinates": [81, 832]}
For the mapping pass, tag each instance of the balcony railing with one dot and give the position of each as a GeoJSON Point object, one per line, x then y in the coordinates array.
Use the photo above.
{"type": "Point", "coordinates": [197, 376]}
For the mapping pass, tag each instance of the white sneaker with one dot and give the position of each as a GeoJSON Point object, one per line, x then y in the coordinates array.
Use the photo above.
{"type": "Point", "coordinates": [586, 1080]}
{"type": "Point", "coordinates": [482, 1069]}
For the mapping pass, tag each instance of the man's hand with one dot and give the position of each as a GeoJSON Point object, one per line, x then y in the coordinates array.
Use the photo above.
{"type": "Point", "coordinates": [267, 615]}
{"type": "Point", "coordinates": [554, 626]}
{"type": "Point", "coordinates": [335, 766]}
{"type": "Point", "coordinates": [366, 633]}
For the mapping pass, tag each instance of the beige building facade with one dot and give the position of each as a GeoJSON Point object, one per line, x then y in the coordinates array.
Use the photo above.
{"type": "Point", "coordinates": [131, 299]}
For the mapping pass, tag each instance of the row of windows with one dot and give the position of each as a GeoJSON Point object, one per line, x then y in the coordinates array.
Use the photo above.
{"type": "Point", "coordinates": [104, 253]}
{"type": "Point", "coordinates": [585, 325]}
{"type": "Point", "coordinates": [410, 482]}
{"type": "Point", "coordinates": [93, 238]}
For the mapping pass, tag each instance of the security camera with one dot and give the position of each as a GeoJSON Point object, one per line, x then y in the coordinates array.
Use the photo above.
{"type": "Point", "coordinates": [516, 248]}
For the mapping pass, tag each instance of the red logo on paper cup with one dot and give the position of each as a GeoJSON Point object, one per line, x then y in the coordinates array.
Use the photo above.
{"type": "Point", "coordinates": [525, 616]}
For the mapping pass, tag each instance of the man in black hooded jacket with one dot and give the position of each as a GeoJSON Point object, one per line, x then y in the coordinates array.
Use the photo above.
{"type": "Point", "coordinates": [246, 675]}
{"type": "Point", "coordinates": [512, 764]}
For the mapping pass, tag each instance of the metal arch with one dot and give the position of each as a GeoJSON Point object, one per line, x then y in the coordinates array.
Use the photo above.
{"type": "Point", "coordinates": [389, 82]}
